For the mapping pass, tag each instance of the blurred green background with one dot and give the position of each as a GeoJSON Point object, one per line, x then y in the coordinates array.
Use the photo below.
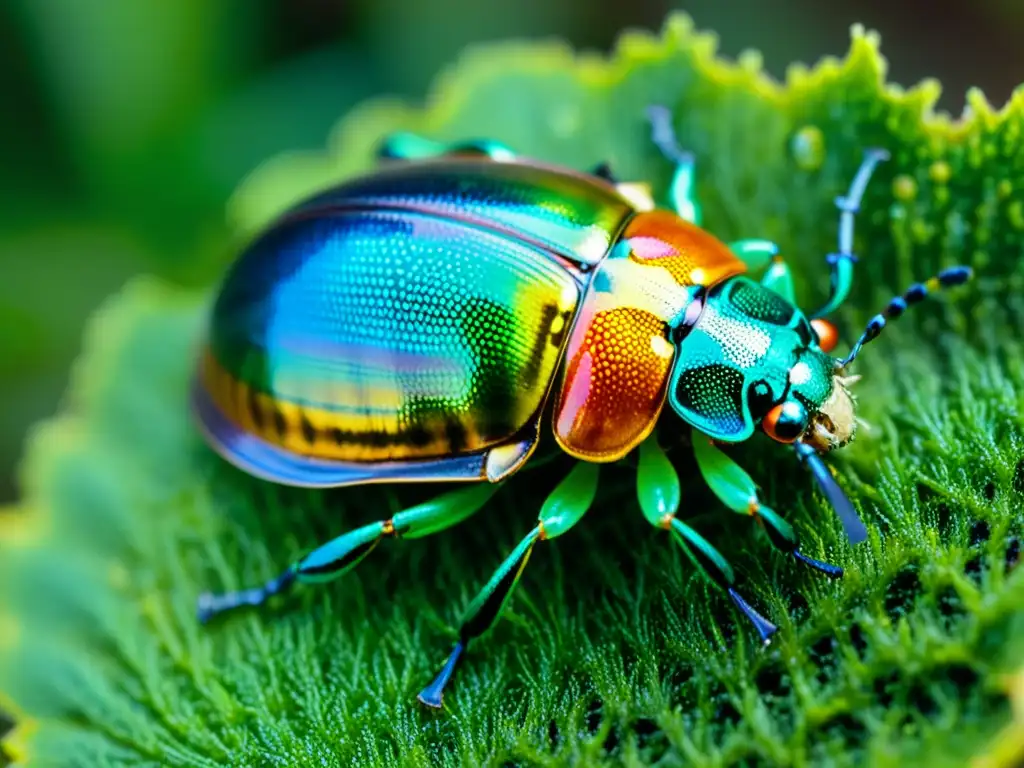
{"type": "Point", "coordinates": [127, 124]}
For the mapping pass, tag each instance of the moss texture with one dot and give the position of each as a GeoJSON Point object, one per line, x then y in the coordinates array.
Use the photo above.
{"type": "Point", "coordinates": [615, 651]}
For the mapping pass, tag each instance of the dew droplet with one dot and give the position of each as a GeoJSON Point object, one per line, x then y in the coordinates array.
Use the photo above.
{"type": "Point", "coordinates": [1015, 214]}
{"type": "Point", "coordinates": [564, 121]}
{"type": "Point", "coordinates": [921, 232]}
{"type": "Point", "coordinates": [808, 148]}
{"type": "Point", "coordinates": [940, 172]}
{"type": "Point", "coordinates": [904, 188]}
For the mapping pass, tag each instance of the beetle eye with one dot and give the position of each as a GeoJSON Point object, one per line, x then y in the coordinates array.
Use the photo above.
{"type": "Point", "coordinates": [785, 422]}
{"type": "Point", "coordinates": [804, 330]}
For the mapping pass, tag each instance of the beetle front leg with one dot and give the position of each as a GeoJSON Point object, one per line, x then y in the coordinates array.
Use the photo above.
{"type": "Point", "coordinates": [737, 490]}
{"type": "Point", "coordinates": [411, 146]}
{"type": "Point", "coordinates": [342, 554]}
{"type": "Point", "coordinates": [658, 492]}
{"type": "Point", "coordinates": [779, 278]}
{"type": "Point", "coordinates": [564, 507]}
{"type": "Point", "coordinates": [841, 262]}
{"type": "Point", "coordinates": [683, 189]}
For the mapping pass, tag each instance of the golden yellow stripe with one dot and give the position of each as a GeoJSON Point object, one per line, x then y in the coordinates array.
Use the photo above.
{"type": "Point", "coordinates": [233, 396]}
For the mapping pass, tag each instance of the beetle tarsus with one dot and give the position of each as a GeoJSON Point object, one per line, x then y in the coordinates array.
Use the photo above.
{"type": "Point", "coordinates": [832, 571]}
{"type": "Point", "coordinates": [209, 605]}
{"type": "Point", "coordinates": [764, 627]}
{"type": "Point", "coordinates": [434, 693]}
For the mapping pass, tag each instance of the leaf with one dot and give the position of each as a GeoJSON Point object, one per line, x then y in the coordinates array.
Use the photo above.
{"type": "Point", "coordinates": [615, 651]}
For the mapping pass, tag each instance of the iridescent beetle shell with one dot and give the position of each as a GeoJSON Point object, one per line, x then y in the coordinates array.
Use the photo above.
{"type": "Point", "coordinates": [415, 324]}
{"type": "Point", "coordinates": [412, 324]}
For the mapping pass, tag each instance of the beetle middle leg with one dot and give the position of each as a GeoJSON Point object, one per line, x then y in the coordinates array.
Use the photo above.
{"type": "Point", "coordinates": [737, 490]}
{"type": "Point", "coordinates": [342, 554]}
{"type": "Point", "coordinates": [757, 254]}
{"type": "Point", "coordinates": [411, 146]}
{"type": "Point", "coordinates": [658, 492]}
{"type": "Point", "coordinates": [562, 509]}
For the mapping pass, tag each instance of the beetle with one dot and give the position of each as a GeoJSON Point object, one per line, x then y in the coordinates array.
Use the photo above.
{"type": "Point", "coordinates": [414, 323]}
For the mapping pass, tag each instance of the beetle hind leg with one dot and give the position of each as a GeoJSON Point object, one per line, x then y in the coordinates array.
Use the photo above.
{"type": "Point", "coordinates": [410, 146]}
{"type": "Point", "coordinates": [342, 554]}
{"type": "Point", "coordinates": [682, 192]}
{"type": "Point", "coordinates": [659, 496]}
{"type": "Point", "coordinates": [563, 508]}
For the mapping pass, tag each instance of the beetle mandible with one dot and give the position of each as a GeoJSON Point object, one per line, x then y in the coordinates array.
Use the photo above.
{"type": "Point", "coordinates": [411, 325]}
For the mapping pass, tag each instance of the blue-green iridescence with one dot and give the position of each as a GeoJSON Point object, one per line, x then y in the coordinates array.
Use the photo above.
{"type": "Point", "coordinates": [417, 312]}
{"type": "Point", "coordinates": [749, 349]}
{"type": "Point", "coordinates": [574, 215]}
{"type": "Point", "coordinates": [365, 336]}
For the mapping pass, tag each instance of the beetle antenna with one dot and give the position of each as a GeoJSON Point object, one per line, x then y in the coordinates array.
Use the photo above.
{"type": "Point", "coordinates": [947, 278]}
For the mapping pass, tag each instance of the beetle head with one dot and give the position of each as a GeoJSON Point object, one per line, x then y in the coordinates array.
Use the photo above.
{"type": "Point", "coordinates": [818, 408]}
{"type": "Point", "coordinates": [753, 360]}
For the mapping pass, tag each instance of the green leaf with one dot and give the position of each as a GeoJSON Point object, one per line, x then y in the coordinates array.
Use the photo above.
{"type": "Point", "coordinates": [615, 651]}
{"type": "Point", "coordinates": [122, 75]}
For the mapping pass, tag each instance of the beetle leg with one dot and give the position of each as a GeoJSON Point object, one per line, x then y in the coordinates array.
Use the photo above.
{"type": "Point", "coordinates": [757, 254]}
{"type": "Point", "coordinates": [842, 261]}
{"type": "Point", "coordinates": [737, 490]}
{"type": "Point", "coordinates": [410, 146]}
{"type": "Point", "coordinates": [343, 553]}
{"type": "Point", "coordinates": [658, 493]}
{"type": "Point", "coordinates": [564, 507]}
{"type": "Point", "coordinates": [779, 278]}
{"type": "Point", "coordinates": [683, 189]}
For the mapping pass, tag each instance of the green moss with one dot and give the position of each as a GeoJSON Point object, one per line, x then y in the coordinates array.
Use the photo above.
{"type": "Point", "coordinates": [615, 651]}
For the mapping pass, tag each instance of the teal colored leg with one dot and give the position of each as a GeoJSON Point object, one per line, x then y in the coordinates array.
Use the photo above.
{"type": "Point", "coordinates": [757, 254]}
{"type": "Point", "coordinates": [843, 260]}
{"type": "Point", "coordinates": [410, 146]}
{"type": "Point", "coordinates": [343, 553]}
{"type": "Point", "coordinates": [659, 495]}
{"type": "Point", "coordinates": [683, 189]}
{"type": "Point", "coordinates": [564, 507]}
{"type": "Point", "coordinates": [737, 490]}
{"type": "Point", "coordinates": [779, 278]}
